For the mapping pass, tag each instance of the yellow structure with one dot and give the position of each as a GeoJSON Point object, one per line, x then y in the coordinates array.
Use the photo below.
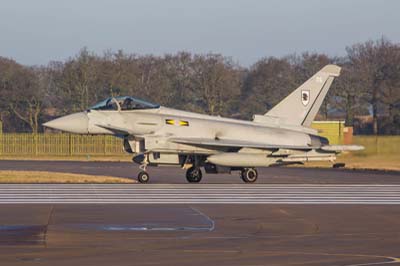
{"type": "Point", "coordinates": [332, 130]}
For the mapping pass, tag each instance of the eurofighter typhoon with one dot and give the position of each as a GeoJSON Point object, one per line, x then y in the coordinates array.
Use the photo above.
{"type": "Point", "coordinates": [157, 135]}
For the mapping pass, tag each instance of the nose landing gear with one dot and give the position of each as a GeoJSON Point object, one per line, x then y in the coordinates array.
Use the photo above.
{"type": "Point", "coordinates": [143, 176]}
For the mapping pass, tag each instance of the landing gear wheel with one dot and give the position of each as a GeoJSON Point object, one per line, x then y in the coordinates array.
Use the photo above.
{"type": "Point", "coordinates": [194, 175]}
{"type": "Point", "coordinates": [143, 177]}
{"type": "Point", "coordinates": [249, 175]}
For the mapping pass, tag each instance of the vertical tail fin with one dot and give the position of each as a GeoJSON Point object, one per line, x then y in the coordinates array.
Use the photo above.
{"type": "Point", "coordinates": [302, 105]}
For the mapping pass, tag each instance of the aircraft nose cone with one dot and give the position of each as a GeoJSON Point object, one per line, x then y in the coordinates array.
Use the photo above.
{"type": "Point", "coordinates": [74, 123]}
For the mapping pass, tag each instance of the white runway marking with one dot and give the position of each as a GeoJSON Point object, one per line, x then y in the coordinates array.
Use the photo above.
{"type": "Point", "coordinates": [198, 194]}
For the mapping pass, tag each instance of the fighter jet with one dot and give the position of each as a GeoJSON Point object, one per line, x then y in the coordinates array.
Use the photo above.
{"type": "Point", "coordinates": [157, 135]}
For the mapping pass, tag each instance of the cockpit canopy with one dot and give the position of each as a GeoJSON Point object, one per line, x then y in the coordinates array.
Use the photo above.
{"type": "Point", "coordinates": [123, 103]}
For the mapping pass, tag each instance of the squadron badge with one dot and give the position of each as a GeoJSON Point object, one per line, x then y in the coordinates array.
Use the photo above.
{"type": "Point", "coordinates": [305, 97]}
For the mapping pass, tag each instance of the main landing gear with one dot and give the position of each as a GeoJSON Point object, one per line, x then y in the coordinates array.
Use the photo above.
{"type": "Point", "coordinates": [249, 175]}
{"type": "Point", "coordinates": [194, 175]}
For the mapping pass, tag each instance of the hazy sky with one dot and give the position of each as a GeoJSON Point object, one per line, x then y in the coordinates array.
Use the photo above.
{"type": "Point", "coordinates": [37, 31]}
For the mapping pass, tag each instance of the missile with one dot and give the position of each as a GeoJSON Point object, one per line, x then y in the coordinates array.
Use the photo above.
{"type": "Point", "coordinates": [235, 159]}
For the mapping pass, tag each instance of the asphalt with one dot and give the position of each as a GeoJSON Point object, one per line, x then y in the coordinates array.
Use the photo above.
{"type": "Point", "coordinates": [217, 234]}
{"type": "Point", "coordinates": [174, 175]}
{"type": "Point", "coordinates": [293, 216]}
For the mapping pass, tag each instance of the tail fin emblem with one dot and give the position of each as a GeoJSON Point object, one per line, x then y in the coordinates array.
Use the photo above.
{"type": "Point", "coordinates": [305, 97]}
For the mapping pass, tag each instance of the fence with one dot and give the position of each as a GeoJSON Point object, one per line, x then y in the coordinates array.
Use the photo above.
{"type": "Point", "coordinates": [59, 144]}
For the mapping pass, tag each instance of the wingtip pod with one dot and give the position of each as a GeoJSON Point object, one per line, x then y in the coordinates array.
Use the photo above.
{"type": "Point", "coordinates": [332, 70]}
{"type": "Point", "coordinates": [340, 148]}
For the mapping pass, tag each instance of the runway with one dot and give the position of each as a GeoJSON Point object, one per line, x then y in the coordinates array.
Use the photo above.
{"type": "Point", "coordinates": [198, 194]}
{"type": "Point", "coordinates": [199, 234]}
{"type": "Point", "coordinates": [292, 216]}
{"type": "Point", "coordinates": [174, 175]}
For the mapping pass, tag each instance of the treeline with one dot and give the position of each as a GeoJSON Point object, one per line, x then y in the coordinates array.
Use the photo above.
{"type": "Point", "coordinates": [207, 83]}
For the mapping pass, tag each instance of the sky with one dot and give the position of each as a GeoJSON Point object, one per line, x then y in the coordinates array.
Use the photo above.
{"type": "Point", "coordinates": [34, 32]}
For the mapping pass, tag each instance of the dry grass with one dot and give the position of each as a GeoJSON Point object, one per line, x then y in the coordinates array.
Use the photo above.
{"type": "Point", "coordinates": [55, 177]}
{"type": "Point", "coordinates": [378, 162]}
{"type": "Point", "coordinates": [381, 152]}
{"type": "Point", "coordinates": [385, 162]}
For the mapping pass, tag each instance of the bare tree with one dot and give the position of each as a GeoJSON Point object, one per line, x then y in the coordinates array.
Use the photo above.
{"type": "Point", "coordinates": [348, 94]}
{"type": "Point", "coordinates": [26, 95]}
{"type": "Point", "coordinates": [267, 82]}
{"type": "Point", "coordinates": [374, 65]}
{"type": "Point", "coordinates": [217, 82]}
{"type": "Point", "coordinates": [208, 83]}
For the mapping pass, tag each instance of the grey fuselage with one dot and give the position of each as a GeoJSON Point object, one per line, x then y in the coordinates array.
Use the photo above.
{"type": "Point", "coordinates": [157, 126]}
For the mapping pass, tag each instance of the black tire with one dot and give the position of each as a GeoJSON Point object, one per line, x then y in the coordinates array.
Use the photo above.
{"type": "Point", "coordinates": [143, 177]}
{"type": "Point", "coordinates": [194, 175]}
{"type": "Point", "coordinates": [249, 175]}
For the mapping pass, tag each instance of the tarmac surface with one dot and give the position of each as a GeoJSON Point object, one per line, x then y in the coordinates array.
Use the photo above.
{"type": "Point", "coordinates": [293, 216]}
{"type": "Point", "coordinates": [175, 175]}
